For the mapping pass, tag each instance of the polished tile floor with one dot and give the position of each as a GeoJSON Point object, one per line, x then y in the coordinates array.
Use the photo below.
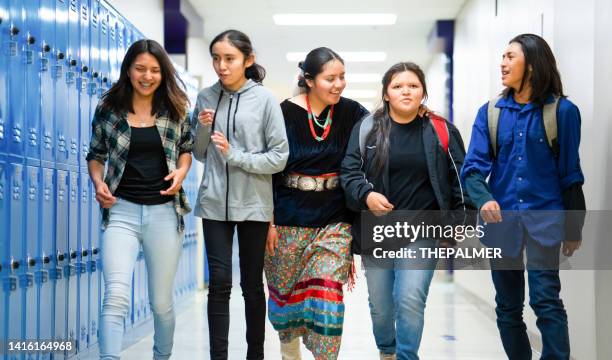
{"type": "Point", "coordinates": [455, 328]}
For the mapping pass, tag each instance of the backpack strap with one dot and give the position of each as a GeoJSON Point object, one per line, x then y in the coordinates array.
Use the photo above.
{"type": "Point", "coordinates": [549, 116]}
{"type": "Point", "coordinates": [493, 121]}
{"type": "Point", "coordinates": [364, 129]}
{"type": "Point", "coordinates": [441, 128]}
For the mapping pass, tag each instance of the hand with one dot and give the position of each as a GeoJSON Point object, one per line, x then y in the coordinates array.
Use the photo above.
{"type": "Point", "coordinates": [491, 212]}
{"type": "Point", "coordinates": [104, 196]}
{"type": "Point", "coordinates": [378, 203]}
{"type": "Point", "coordinates": [205, 117]}
{"type": "Point", "coordinates": [177, 177]}
{"type": "Point", "coordinates": [569, 247]}
{"type": "Point", "coordinates": [271, 240]}
{"type": "Point", "coordinates": [220, 142]}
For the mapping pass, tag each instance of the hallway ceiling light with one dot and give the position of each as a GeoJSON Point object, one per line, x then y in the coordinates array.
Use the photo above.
{"type": "Point", "coordinates": [349, 56]}
{"type": "Point", "coordinates": [360, 93]}
{"type": "Point", "coordinates": [334, 19]}
{"type": "Point", "coordinates": [363, 78]}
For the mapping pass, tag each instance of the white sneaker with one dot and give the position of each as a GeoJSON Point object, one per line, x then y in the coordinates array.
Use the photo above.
{"type": "Point", "coordinates": [384, 356]}
{"type": "Point", "coordinates": [291, 350]}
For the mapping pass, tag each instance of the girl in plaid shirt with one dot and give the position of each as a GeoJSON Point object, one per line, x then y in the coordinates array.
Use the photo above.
{"type": "Point", "coordinates": [141, 131]}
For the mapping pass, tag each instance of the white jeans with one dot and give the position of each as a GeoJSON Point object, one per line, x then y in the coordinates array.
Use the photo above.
{"type": "Point", "coordinates": [155, 228]}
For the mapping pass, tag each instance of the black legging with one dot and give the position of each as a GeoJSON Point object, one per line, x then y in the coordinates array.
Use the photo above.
{"type": "Point", "coordinates": [218, 238]}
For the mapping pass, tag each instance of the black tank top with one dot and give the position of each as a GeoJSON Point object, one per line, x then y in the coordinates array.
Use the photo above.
{"type": "Point", "coordinates": [146, 167]}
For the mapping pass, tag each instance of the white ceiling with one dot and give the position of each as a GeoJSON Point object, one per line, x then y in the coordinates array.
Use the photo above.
{"type": "Point", "coordinates": [406, 40]}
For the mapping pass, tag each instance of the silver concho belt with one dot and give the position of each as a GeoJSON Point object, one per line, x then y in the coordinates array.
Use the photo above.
{"type": "Point", "coordinates": [312, 183]}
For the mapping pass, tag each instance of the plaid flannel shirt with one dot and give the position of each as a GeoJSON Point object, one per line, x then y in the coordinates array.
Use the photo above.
{"type": "Point", "coordinates": [110, 141]}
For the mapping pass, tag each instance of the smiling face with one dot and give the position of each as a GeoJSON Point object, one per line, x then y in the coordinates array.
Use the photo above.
{"type": "Point", "coordinates": [404, 94]}
{"type": "Point", "coordinates": [230, 64]}
{"type": "Point", "coordinates": [145, 75]}
{"type": "Point", "coordinates": [513, 67]}
{"type": "Point", "coordinates": [329, 83]}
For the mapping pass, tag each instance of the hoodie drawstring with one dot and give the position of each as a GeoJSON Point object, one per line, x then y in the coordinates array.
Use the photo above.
{"type": "Point", "coordinates": [235, 111]}
{"type": "Point", "coordinates": [215, 115]}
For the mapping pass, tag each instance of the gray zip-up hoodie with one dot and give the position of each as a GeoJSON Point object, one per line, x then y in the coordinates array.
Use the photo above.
{"type": "Point", "coordinates": [238, 187]}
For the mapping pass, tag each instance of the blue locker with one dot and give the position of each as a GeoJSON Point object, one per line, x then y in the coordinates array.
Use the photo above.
{"type": "Point", "coordinates": [81, 268]}
{"type": "Point", "coordinates": [82, 85]}
{"type": "Point", "coordinates": [4, 249]}
{"type": "Point", "coordinates": [61, 78]}
{"type": "Point", "coordinates": [30, 58]}
{"type": "Point", "coordinates": [93, 267]}
{"type": "Point", "coordinates": [15, 263]}
{"type": "Point", "coordinates": [121, 45]}
{"type": "Point", "coordinates": [112, 48]}
{"type": "Point", "coordinates": [45, 249]}
{"type": "Point", "coordinates": [104, 51]}
{"type": "Point", "coordinates": [71, 270]}
{"type": "Point", "coordinates": [16, 81]}
{"type": "Point", "coordinates": [30, 250]}
{"type": "Point", "coordinates": [94, 55]}
{"type": "Point", "coordinates": [60, 261]}
{"type": "Point", "coordinates": [4, 38]}
{"type": "Point", "coordinates": [72, 74]}
{"type": "Point", "coordinates": [47, 89]}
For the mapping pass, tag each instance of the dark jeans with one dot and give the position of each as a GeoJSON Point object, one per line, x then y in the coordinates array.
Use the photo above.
{"type": "Point", "coordinates": [544, 288]}
{"type": "Point", "coordinates": [218, 238]}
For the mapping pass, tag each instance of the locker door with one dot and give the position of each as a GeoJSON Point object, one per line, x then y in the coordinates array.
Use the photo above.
{"type": "Point", "coordinates": [45, 250]}
{"type": "Point", "coordinates": [61, 77]}
{"type": "Point", "coordinates": [83, 256]}
{"type": "Point", "coordinates": [94, 56]}
{"type": "Point", "coordinates": [72, 74]}
{"type": "Point", "coordinates": [16, 81]}
{"type": "Point", "coordinates": [112, 48]}
{"type": "Point", "coordinates": [30, 55]}
{"type": "Point", "coordinates": [105, 55]}
{"type": "Point", "coordinates": [16, 238]}
{"type": "Point", "coordinates": [93, 265]}
{"type": "Point", "coordinates": [46, 45]}
{"type": "Point", "coordinates": [4, 39]}
{"type": "Point", "coordinates": [83, 79]}
{"type": "Point", "coordinates": [120, 45]}
{"type": "Point", "coordinates": [30, 250]}
{"type": "Point", "coordinates": [70, 270]}
{"type": "Point", "coordinates": [60, 285]}
{"type": "Point", "coordinates": [4, 248]}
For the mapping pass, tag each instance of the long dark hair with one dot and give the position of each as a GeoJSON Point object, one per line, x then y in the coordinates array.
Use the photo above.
{"type": "Point", "coordinates": [314, 63]}
{"type": "Point", "coordinates": [241, 41]}
{"type": "Point", "coordinates": [169, 96]}
{"type": "Point", "coordinates": [381, 127]}
{"type": "Point", "coordinates": [545, 79]}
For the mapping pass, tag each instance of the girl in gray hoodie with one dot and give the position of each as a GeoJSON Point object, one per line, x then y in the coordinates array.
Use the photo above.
{"type": "Point", "coordinates": [240, 137]}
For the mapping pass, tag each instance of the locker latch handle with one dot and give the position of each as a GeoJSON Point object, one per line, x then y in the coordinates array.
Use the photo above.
{"type": "Point", "coordinates": [85, 69]}
{"type": "Point", "coordinates": [31, 40]}
{"type": "Point", "coordinates": [46, 48]}
{"type": "Point", "coordinates": [14, 30]}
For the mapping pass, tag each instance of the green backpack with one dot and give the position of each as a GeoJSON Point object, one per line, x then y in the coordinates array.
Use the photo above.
{"type": "Point", "coordinates": [549, 116]}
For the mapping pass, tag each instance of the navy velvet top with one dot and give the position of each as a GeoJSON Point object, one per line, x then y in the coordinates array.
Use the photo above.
{"type": "Point", "coordinates": [307, 156]}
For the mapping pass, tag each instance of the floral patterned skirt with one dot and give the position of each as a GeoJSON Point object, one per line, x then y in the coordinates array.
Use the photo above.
{"type": "Point", "coordinates": [305, 278]}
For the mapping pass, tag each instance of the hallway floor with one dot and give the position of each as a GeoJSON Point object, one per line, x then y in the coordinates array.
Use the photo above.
{"type": "Point", "coordinates": [455, 328]}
